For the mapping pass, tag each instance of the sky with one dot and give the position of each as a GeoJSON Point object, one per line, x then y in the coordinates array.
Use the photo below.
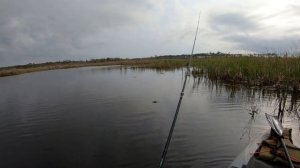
{"type": "Point", "coordinates": [34, 31]}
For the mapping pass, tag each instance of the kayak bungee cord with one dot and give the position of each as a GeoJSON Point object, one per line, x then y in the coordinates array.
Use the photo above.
{"type": "Point", "coordinates": [179, 102]}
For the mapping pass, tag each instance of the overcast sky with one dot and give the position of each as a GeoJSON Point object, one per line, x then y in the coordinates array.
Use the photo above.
{"type": "Point", "coordinates": [52, 30]}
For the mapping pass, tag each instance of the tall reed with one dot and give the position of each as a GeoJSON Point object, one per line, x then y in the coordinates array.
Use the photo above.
{"type": "Point", "coordinates": [251, 69]}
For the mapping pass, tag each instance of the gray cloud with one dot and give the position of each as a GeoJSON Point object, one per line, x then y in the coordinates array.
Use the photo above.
{"type": "Point", "coordinates": [246, 33]}
{"type": "Point", "coordinates": [295, 9]}
{"type": "Point", "coordinates": [261, 44]}
{"type": "Point", "coordinates": [52, 30]}
{"type": "Point", "coordinates": [33, 30]}
{"type": "Point", "coordinates": [232, 22]}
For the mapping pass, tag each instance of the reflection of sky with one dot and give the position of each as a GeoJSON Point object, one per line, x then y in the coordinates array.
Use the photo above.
{"type": "Point", "coordinates": [238, 100]}
{"type": "Point", "coordinates": [35, 31]}
{"type": "Point", "coordinates": [107, 116]}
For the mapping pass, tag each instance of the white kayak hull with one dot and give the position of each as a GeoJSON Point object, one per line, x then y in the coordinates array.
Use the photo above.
{"type": "Point", "coordinates": [246, 158]}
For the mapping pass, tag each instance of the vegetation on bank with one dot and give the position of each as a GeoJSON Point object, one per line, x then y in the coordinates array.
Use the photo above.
{"type": "Point", "coordinates": [21, 69]}
{"type": "Point", "coordinates": [252, 71]}
{"type": "Point", "coordinates": [256, 70]}
{"type": "Point", "coordinates": [157, 63]}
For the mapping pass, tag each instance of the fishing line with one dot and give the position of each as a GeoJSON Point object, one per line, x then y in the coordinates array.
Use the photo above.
{"type": "Point", "coordinates": [164, 154]}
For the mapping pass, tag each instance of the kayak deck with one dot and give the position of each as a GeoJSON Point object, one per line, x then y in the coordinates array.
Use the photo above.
{"type": "Point", "coordinates": [256, 163]}
{"type": "Point", "coordinates": [247, 159]}
{"type": "Point", "coordinates": [243, 158]}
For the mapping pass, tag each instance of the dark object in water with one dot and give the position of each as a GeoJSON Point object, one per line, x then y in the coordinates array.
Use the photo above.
{"type": "Point", "coordinates": [154, 101]}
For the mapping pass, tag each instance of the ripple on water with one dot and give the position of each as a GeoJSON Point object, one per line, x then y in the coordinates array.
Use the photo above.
{"type": "Point", "coordinates": [92, 117]}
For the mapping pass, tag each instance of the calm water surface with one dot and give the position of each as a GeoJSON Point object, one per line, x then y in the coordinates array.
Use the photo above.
{"type": "Point", "coordinates": [105, 117]}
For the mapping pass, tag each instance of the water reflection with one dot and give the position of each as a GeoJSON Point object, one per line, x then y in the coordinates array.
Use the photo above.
{"type": "Point", "coordinates": [105, 117]}
{"type": "Point", "coordinates": [256, 101]}
{"type": "Point", "coordinates": [285, 103]}
{"type": "Point", "coordinates": [247, 129]}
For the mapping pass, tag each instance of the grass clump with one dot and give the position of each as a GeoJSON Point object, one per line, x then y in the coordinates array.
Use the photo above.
{"type": "Point", "coordinates": [161, 64]}
{"type": "Point", "coordinates": [251, 70]}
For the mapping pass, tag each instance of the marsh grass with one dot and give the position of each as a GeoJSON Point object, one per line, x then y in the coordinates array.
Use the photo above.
{"type": "Point", "coordinates": [160, 64]}
{"type": "Point", "coordinates": [250, 70]}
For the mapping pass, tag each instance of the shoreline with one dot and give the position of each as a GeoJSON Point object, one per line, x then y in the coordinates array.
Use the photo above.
{"type": "Point", "coordinates": [137, 63]}
{"type": "Point", "coordinates": [279, 73]}
{"type": "Point", "coordinates": [12, 71]}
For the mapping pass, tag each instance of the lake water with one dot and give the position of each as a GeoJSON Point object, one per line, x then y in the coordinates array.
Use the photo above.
{"type": "Point", "coordinates": [105, 117]}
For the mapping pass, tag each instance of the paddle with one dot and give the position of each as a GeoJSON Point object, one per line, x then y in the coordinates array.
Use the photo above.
{"type": "Point", "coordinates": [278, 129]}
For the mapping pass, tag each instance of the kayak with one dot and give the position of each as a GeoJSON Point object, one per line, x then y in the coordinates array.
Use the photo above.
{"type": "Point", "coordinates": [246, 155]}
{"type": "Point", "coordinates": [256, 154]}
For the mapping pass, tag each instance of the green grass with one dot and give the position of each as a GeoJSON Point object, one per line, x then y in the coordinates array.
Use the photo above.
{"type": "Point", "coordinates": [162, 64]}
{"type": "Point", "coordinates": [251, 70]}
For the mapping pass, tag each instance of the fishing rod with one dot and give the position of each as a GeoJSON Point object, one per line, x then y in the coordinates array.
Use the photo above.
{"type": "Point", "coordinates": [164, 154]}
